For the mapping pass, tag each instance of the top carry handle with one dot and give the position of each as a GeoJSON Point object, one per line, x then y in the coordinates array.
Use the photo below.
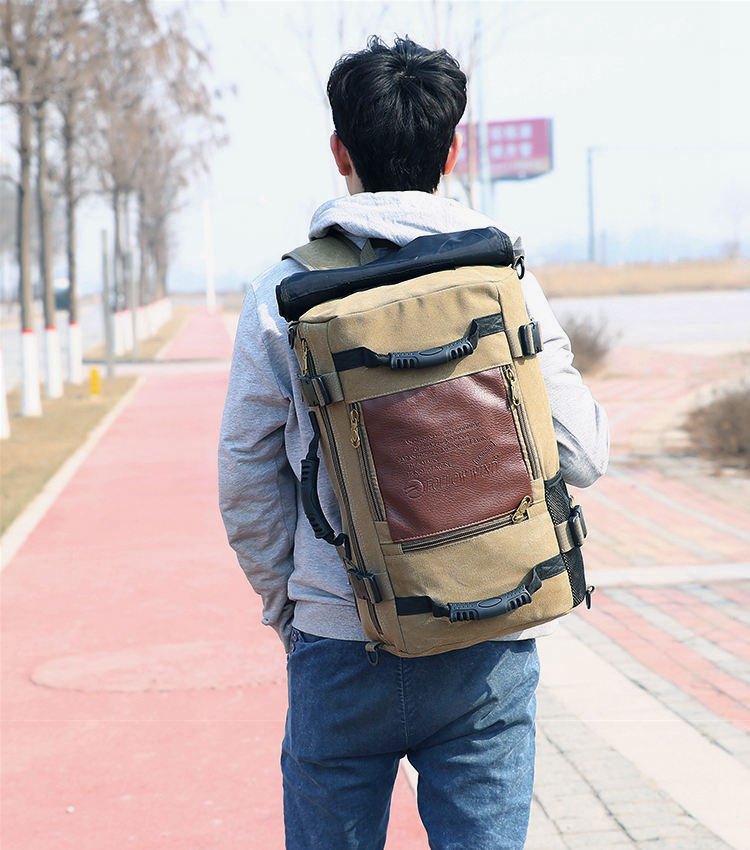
{"type": "Point", "coordinates": [485, 246]}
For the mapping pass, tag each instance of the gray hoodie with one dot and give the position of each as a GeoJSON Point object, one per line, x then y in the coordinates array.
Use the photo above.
{"type": "Point", "coordinates": [265, 429]}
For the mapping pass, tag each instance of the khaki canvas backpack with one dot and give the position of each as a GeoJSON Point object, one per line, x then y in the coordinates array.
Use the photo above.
{"type": "Point", "coordinates": [428, 404]}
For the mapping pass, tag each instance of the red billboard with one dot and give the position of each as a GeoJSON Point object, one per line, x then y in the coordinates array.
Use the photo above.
{"type": "Point", "coordinates": [516, 150]}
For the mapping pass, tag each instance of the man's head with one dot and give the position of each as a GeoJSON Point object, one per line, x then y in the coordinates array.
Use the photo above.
{"type": "Point", "coordinates": [395, 110]}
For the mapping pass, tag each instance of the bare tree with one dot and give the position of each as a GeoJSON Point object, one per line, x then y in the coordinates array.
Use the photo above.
{"type": "Point", "coordinates": [29, 50]}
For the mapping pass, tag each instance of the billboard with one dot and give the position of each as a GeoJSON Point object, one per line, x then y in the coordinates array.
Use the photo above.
{"type": "Point", "coordinates": [516, 150]}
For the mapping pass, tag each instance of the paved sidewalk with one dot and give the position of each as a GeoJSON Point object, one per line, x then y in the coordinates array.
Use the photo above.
{"type": "Point", "coordinates": [143, 703]}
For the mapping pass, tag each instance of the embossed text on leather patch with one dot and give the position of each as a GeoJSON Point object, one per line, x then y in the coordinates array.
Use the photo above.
{"type": "Point", "coordinates": [447, 455]}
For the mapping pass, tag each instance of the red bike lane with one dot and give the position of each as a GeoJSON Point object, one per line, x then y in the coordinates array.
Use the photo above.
{"type": "Point", "coordinates": [142, 701]}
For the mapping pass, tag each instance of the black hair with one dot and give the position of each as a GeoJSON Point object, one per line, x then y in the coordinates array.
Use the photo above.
{"type": "Point", "coordinates": [396, 110]}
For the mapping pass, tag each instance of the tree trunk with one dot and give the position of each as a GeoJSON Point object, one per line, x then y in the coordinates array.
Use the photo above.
{"type": "Point", "coordinates": [23, 236]}
{"type": "Point", "coordinates": [160, 262]}
{"type": "Point", "coordinates": [45, 220]}
{"type": "Point", "coordinates": [70, 215]}
{"type": "Point", "coordinates": [117, 264]}
{"type": "Point", "coordinates": [143, 277]}
{"type": "Point", "coordinates": [53, 376]}
{"type": "Point", "coordinates": [31, 403]}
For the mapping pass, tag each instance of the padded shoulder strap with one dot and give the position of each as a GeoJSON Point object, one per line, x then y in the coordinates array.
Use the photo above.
{"type": "Point", "coordinates": [329, 252]}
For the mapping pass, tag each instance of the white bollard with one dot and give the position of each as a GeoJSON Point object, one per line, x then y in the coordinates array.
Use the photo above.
{"type": "Point", "coordinates": [31, 400]}
{"type": "Point", "coordinates": [75, 354]}
{"type": "Point", "coordinates": [120, 320]}
{"type": "Point", "coordinates": [53, 364]}
{"type": "Point", "coordinates": [4, 420]}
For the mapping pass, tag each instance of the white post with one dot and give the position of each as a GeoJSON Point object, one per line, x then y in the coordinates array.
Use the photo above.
{"type": "Point", "coordinates": [31, 401]}
{"type": "Point", "coordinates": [53, 376]}
{"type": "Point", "coordinates": [4, 420]}
{"type": "Point", "coordinates": [75, 354]}
{"type": "Point", "coordinates": [208, 251]}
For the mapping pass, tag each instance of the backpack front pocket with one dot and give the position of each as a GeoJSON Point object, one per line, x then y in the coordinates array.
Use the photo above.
{"type": "Point", "coordinates": [446, 456]}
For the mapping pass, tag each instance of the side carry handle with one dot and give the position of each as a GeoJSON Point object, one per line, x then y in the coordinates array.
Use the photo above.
{"type": "Point", "coordinates": [309, 490]}
{"type": "Point", "coordinates": [504, 604]}
{"type": "Point", "coordinates": [462, 347]}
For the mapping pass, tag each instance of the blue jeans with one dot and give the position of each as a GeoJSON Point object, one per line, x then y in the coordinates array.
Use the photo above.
{"type": "Point", "coordinates": [464, 719]}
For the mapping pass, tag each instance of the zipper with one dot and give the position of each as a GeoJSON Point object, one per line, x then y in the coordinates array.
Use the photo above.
{"type": "Point", "coordinates": [520, 514]}
{"type": "Point", "coordinates": [359, 441]}
{"type": "Point", "coordinates": [308, 368]}
{"type": "Point", "coordinates": [521, 419]}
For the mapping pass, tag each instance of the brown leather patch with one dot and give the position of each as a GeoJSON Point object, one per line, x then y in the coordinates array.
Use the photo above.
{"type": "Point", "coordinates": [447, 455]}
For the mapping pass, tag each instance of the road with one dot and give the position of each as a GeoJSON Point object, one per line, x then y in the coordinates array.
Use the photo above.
{"type": "Point", "coordinates": [671, 319]}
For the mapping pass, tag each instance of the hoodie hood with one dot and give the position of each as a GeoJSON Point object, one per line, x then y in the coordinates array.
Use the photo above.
{"type": "Point", "coordinates": [398, 217]}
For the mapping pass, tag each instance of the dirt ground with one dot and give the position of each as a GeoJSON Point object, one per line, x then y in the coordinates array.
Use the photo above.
{"type": "Point", "coordinates": [579, 279]}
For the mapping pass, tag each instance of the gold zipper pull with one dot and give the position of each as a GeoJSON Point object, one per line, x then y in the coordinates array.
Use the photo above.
{"type": "Point", "coordinates": [354, 419]}
{"type": "Point", "coordinates": [512, 381]}
{"type": "Point", "coordinates": [305, 353]}
{"type": "Point", "coordinates": [522, 511]}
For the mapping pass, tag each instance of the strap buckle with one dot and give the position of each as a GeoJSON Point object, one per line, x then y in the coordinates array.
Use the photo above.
{"type": "Point", "coordinates": [314, 390]}
{"type": "Point", "coordinates": [577, 526]}
{"type": "Point", "coordinates": [364, 585]}
{"type": "Point", "coordinates": [530, 338]}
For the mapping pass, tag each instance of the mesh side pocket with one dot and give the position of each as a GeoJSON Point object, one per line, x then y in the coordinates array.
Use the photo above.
{"type": "Point", "coordinates": [558, 504]}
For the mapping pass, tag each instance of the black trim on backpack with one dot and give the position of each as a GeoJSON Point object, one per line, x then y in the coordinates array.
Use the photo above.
{"type": "Point", "coordinates": [486, 246]}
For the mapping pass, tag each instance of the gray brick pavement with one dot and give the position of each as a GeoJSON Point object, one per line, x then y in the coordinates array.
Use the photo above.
{"type": "Point", "coordinates": [589, 797]}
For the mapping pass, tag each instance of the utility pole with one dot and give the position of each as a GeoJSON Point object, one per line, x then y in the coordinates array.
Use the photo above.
{"type": "Point", "coordinates": [208, 251]}
{"type": "Point", "coordinates": [590, 185]}
{"type": "Point", "coordinates": [485, 193]}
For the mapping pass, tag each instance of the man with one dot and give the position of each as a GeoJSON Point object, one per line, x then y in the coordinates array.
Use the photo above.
{"type": "Point", "coordinates": [465, 719]}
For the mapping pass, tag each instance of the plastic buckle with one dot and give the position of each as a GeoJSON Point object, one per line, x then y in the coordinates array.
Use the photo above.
{"type": "Point", "coordinates": [577, 526]}
{"type": "Point", "coordinates": [530, 339]}
{"type": "Point", "coordinates": [314, 390]}
{"type": "Point", "coordinates": [365, 586]}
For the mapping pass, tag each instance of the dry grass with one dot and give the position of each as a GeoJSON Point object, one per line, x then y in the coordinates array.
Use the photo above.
{"type": "Point", "coordinates": [38, 446]}
{"type": "Point", "coordinates": [579, 279]}
{"type": "Point", "coordinates": [720, 430]}
{"type": "Point", "coordinates": [590, 340]}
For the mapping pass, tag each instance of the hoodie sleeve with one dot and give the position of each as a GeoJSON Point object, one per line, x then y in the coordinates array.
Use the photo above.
{"type": "Point", "coordinates": [257, 495]}
{"type": "Point", "coordinates": [581, 424]}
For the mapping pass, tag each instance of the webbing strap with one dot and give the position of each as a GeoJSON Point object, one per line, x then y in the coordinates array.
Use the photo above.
{"type": "Point", "coordinates": [485, 608]}
{"type": "Point", "coordinates": [353, 358]}
{"type": "Point", "coordinates": [333, 251]}
{"type": "Point", "coordinates": [572, 531]}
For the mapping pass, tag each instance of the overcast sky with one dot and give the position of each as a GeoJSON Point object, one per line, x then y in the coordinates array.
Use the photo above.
{"type": "Point", "coordinates": [659, 89]}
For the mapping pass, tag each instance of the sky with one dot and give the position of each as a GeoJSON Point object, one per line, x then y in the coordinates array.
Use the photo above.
{"type": "Point", "coordinates": [657, 89]}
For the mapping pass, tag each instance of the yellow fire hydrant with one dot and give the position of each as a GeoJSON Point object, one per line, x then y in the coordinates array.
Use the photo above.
{"type": "Point", "coordinates": [95, 382]}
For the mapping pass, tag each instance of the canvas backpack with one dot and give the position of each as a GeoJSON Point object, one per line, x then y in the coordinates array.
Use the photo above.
{"type": "Point", "coordinates": [428, 403]}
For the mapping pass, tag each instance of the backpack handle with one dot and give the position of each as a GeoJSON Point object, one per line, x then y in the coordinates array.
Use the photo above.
{"type": "Point", "coordinates": [462, 347]}
{"type": "Point", "coordinates": [309, 491]}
